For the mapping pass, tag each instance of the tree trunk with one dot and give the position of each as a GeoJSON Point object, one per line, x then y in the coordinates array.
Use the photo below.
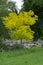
{"type": "Point", "coordinates": [21, 41]}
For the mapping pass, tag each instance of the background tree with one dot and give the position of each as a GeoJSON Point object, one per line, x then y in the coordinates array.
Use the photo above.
{"type": "Point", "coordinates": [19, 25]}
{"type": "Point", "coordinates": [12, 6]}
{"type": "Point", "coordinates": [5, 5]}
{"type": "Point", "coordinates": [4, 11]}
{"type": "Point", "coordinates": [37, 7]}
{"type": "Point", "coordinates": [3, 8]}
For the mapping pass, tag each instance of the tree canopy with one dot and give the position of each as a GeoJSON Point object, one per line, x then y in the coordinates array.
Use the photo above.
{"type": "Point", "coordinates": [19, 25]}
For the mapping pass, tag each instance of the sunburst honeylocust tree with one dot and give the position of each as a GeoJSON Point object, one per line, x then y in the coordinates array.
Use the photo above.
{"type": "Point", "coordinates": [19, 25]}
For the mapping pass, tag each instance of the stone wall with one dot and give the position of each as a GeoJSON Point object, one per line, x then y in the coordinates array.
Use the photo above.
{"type": "Point", "coordinates": [26, 44]}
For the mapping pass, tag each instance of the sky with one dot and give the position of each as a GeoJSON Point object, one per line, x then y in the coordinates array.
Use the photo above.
{"type": "Point", "coordinates": [18, 3]}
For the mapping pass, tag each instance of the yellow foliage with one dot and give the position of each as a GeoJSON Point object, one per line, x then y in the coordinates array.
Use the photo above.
{"type": "Point", "coordinates": [20, 24]}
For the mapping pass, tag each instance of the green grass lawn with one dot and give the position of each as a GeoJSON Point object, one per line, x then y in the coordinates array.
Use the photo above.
{"type": "Point", "coordinates": [33, 56]}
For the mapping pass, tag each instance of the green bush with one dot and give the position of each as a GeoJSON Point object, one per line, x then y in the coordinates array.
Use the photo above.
{"type": "Point", "coordinates": [3, 47]}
